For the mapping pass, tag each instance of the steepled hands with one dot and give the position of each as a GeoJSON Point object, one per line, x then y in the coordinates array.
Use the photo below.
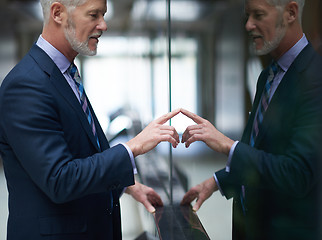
{"type": "Point", "coordinates": [157, 132]}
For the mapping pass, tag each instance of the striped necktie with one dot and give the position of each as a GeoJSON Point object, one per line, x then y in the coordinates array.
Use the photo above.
{"type": "Point", "coordinates": [264, 102]}
{"type": "Point", "coordinates": [73, 71]}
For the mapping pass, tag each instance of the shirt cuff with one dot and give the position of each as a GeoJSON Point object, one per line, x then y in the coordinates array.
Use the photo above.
{"type": "Point", "coordinates": [217, 182]}
{"type": "Point", "coordinates": [230, 156]}
{"type": "Point", "coordinates": [135, 171]}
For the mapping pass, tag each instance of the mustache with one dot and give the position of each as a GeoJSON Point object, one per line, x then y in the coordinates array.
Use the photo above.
{"type": "Point", "coordinates": [96, 35]}
{"type": "Point", "coordinates": [254, 34]}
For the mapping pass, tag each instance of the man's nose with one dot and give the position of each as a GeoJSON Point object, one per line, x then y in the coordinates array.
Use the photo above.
{"type": "Point", "coordinates": [250, 25]}
{"type": "Point", "coordinates": [102, 25]}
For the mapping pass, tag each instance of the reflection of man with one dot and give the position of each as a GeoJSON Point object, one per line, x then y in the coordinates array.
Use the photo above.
{"type": "Point", "coordinates": [64, 180]}
{"type": "Point", "coordinates": [272, 172]}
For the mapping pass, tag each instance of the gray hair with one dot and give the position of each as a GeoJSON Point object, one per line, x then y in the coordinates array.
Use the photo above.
{"type": "Point", "coordinates": [280, 4]}
{"type": "Point", "coordinates": [69, 4]}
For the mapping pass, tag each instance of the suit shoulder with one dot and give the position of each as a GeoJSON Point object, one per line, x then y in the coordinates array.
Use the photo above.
{"type": "Point", "coordinates": [25, 71]}
{"type": "Point", "coordinates": [314, 68]}
{"type": "Point", "coordinates": [309, 60]}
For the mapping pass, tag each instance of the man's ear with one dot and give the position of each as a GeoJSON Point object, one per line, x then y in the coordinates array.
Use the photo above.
{"type": "Point", "coordinates": [292, 10]}
{"type": "Point", "coordinates": [58, 12]}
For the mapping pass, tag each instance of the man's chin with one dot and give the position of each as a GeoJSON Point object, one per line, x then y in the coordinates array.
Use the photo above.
{"type": "Point", "coordinates": [92, 49]}
{"type": "Point", "coordinates": [87, 52]}
{"type": "Point", "coordinates": [260, 51]}
{"type": "Point", "coordinates": [92, 53]}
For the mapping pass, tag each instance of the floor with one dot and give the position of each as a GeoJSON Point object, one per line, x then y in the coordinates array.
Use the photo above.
{"type": "Point", "coordinates": [215, 214]}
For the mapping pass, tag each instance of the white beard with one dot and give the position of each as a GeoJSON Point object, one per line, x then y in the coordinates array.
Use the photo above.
{"type": "Point", "coordinates": [78, 46]}
{"type": "Point", "coordinates": [269, 46]}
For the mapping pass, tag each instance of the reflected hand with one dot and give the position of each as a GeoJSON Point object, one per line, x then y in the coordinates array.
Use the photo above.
{"type": "Point", "coordinates": [206, 132]}
{"type": "Point", "coordinates": [153, 134]}
{"type": "Point", "coordinates": [201, 192]}
{"type": "Point", "coordinates": [145, 195]}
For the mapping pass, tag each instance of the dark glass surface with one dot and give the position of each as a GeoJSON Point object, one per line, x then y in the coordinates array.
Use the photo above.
{"type": "Point", "coordinates": [178, 222]}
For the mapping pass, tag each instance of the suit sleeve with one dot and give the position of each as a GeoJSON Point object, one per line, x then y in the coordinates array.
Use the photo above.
{"type": "Point", "coordinates": [33, 131]}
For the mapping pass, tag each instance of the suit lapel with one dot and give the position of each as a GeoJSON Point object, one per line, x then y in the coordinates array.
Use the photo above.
{"type": "Point", "coordinates": [62, 86]}
{"type": "Point", "coordinates": [278, 101]}
{"type": "Point", "coordinates": [260, 86]}
{"type": "Point", "coordinates": [99, 131]}
{"type": "Point", "coordinates": [67, 93]}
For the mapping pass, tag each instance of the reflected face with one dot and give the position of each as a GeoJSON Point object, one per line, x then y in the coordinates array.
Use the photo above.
{"type": "Point", "coordinates": [265, 25]}
{"type": "Point", "coordinates": [85, 25]}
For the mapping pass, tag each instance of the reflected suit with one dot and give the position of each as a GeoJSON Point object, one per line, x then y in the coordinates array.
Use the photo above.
{"type": "Point", "coordinates": [280, 173]}
{"type": "Point", "coordinates": [59, 181]}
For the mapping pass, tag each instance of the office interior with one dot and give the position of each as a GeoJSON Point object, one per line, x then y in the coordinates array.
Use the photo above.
{"type": "Point", "coordinates": [159, 55]}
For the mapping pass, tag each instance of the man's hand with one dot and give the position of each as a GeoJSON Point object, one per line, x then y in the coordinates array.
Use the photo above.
{"type": "Point", "coordinates": [145, 195]}
{"type": "Point", "coordinates": [206, 132]}
{"type": "Point", "coordinates": [201, 192]}
{"type": "Point", "coordinates": [153, 134]}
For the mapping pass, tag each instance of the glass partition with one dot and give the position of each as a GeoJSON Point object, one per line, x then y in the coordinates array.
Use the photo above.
{"type": "Point", "coordinates": [208, 54]}
{"type": "Point", "coordinates": [158, 56]}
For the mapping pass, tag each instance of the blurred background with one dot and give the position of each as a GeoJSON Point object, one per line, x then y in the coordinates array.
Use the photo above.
{"type": "Point", "coordinates": [148, 61]}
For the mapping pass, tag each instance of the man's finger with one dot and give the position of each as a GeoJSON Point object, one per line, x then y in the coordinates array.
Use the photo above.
{"type": "Point", "coordinates": [196, 207]}
{"type": "Point", "coordinates": [155, 199]}
{"type": "Point", "coordinates": [148, 206]}
{"type": "Point", "coordinates": [186, 134]}
{"type": "Point", "coordinates": [163, 119]}
{"type": "Point", "coordinates": [169, 130]}
{"type": "Point", "coordinates": [170, 139]}
{"type": "Point", "coordinates": [198, 204]}
{"type": "Point", "coordinates": [189, 197]}
{"type": "Point", "coordinates": [192, 116]}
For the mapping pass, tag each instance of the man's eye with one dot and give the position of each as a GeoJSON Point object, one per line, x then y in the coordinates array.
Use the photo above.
{"type": "Point", "coordinates": [93, 15]}
{"type": "Point", "coordinates": [258, 15]}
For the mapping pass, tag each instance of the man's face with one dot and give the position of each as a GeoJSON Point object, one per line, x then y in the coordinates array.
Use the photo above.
{"type": "Point", "coordinates": [265, 26]}
{"type": "Point", "coordinates": [85, 25]}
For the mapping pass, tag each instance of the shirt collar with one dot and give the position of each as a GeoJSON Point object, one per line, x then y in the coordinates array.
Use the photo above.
{"type": "Point", "coordinates": [288, 58]}
{"type": "Point", "coordinates": [59, 59]}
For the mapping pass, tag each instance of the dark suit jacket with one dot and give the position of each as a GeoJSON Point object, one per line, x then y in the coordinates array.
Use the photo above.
{"type": "Point", "coordinates": [280, 173]}
{"type": "Point", "coordinates": [59, 181]}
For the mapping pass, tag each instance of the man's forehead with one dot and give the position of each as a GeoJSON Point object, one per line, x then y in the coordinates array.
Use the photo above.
{"type": "Point", "coordinates": [251, 5]}
{"type": "Point", "coordinates": [94, 5]}
{"type": "Point", "coordinates": [101, 3]}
